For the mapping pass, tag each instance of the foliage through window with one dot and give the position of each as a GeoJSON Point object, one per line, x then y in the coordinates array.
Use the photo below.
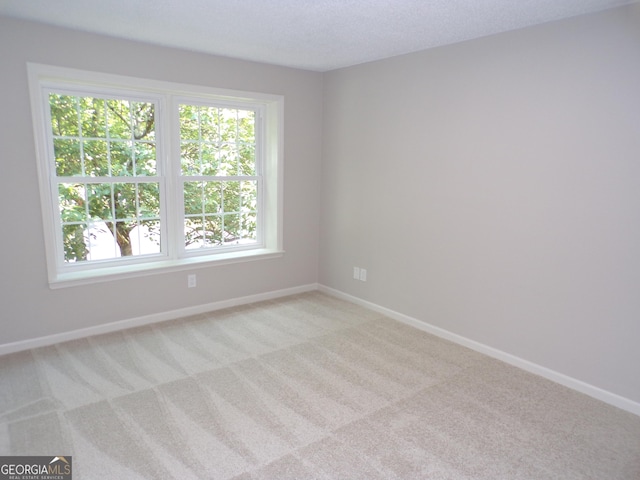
{"type": "Point", "coordinates": [107, 179]}
{"type": "Point", "coordinates": [218, 167]}
{"type": "Point", "coordinates": [139, 175]}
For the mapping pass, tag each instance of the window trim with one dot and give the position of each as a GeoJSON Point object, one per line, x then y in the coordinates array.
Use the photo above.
{"type": "Point", "coordinates": [169, 94]}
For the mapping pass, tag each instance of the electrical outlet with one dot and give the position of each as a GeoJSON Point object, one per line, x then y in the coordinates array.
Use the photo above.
{"type": "Point", "coordinates": [360, 274]}
{"type": "Point", "coordinates": [356, 273]}
{"type": "Point", "coordinates": [191, 280]}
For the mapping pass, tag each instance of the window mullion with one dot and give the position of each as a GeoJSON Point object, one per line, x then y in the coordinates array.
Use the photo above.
{"type": "Point", "coordinates": [173, 185]}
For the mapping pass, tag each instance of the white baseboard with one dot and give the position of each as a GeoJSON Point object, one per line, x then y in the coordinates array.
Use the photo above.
{"type": "Point", "coordinates": [149, 319]}
{"type": "Point", "coordinates": [570, 382]}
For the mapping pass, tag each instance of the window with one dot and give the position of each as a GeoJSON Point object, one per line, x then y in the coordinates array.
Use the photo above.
{"type": "Point", "coordinates": [138, 175]}
{"type": "Point", "coordinates": [219, 176]}
{"type": "Point", "coordinates": [106, 181]}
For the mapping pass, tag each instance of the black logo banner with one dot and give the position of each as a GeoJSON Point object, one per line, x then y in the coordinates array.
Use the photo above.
{"type": "Point", "coordinates": [36, 468]}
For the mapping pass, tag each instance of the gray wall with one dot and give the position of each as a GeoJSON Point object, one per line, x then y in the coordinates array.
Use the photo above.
{"type": "Point", "coordinates": [492, 188]}
{"type": "Point", "coordinates": [28, 308]}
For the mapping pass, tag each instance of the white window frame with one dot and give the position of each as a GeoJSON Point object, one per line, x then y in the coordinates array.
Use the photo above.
{"type": "Point", "coordinates": [167, 96]}
{"type": "Point", "coordinates": [260, 167]}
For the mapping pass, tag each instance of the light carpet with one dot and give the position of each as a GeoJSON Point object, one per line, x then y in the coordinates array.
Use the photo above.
{"type": "Point", "coordinates": [303, 387]}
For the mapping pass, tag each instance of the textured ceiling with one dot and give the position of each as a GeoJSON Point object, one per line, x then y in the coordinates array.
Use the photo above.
{"type": "Point", "coordinates": [311, 34]}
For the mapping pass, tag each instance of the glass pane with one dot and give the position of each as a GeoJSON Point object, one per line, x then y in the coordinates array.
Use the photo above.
{"type": "Point", "coordinates": [100, 204]}
{"type": "Point", "coordinates": [64, 115]}
{"type": "Point", "coordinates": [209, 118]}
{"type": "Point", "coordinates": [75, 240]}
{"type": "Point", "coordinates": [92, 117]}
{"type": "Point", "coordinates": [144, 121]}
{"type": "Point", "coordinates": [249, 225]}
{"type": "Point", "coordinates": [96, 160]}
{"type": "Point", "coordinates": [190, 158]}
{"type": "Point", "coordinates": [212, 197]}
{"type": "Point", "coordinates": [247, 160]}
{"type": "Point", "coordinates": [145, 238]}
{"type": "Point", "coordinates": [189, 127]}
{"type": "Point", "coordinates": [217, 141]}
{"type": "Point", "coordinates": [228, 160]}
{"type": "Point", "coordinates": [228, 125]}
{"type": "Point", "coordinates": [209, 154]}
{"type": "Point", "coordinates": [246, 126]}
{"type": "Point", "coordinates": [145, 158]}
{"type": "Point", "coordinates": [67, 154]}
{"type": "Point", "coordinates": [249, 196]}
{"type": "Point", "coordinates": [193, 198]}
{"type": "Point", "coordinates": [72, 201]}
{"type": "Point", "coordinates": [102, 244]}
{"type": "Point", "coordinates": [231, 197]}
{"type": "Point", "coordinates": [123, 237]}
{"type": "Point", "coordinates": [119, 119]}
{"type": "Point", "coordinates": [124, 198]}
{"type": "Point", "coordinates": [232, 228]}
{"type": "Point", "coordinates": [149, 200]}
{"type": "Point", "coordinates": [193, 233]}
{"type": "Point", "coordinates": [121, 159]}
{"type": "Point", "coordinates": [213, 230]}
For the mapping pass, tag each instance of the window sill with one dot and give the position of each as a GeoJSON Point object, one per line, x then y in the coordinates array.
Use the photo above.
{"type": "Point", "coordinates": [86, 277]}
